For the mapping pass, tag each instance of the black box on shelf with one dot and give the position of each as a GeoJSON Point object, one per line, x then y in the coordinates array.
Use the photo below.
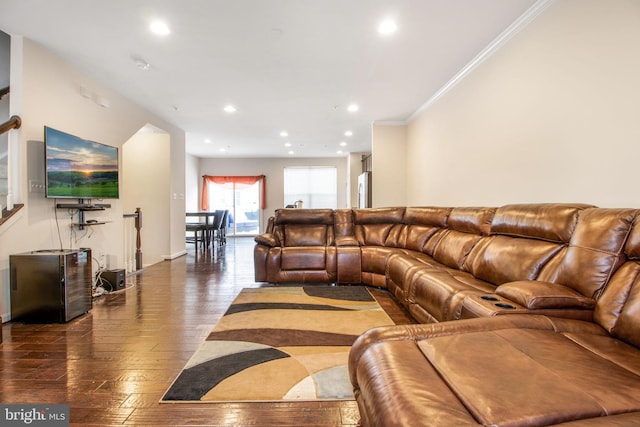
{"type": "Point", "coordinates": [116, 279]}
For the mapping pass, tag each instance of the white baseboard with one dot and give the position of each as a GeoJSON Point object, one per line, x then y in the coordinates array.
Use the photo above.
{"type": "Point", "coordinates": [174, 256]}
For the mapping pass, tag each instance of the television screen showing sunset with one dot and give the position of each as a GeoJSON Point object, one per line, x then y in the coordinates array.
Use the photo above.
{"type": "Point", "coordinates": [80, 168]}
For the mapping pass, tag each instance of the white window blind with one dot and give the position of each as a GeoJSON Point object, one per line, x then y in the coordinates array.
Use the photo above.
{"type": "Point", "coordinates": [316, 186]}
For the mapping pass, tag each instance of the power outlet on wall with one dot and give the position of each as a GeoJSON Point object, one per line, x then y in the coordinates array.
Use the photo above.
{"type": "Point", "coordinates": [102, 259]}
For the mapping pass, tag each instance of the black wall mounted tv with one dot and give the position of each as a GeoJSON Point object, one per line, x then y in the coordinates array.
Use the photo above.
{"type": "Point", "coordinates": [77, 168]}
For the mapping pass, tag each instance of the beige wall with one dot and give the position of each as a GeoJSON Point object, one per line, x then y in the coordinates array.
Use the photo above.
{"type": "Point", "coordinates": [273, 168]}
{"type": "Point", "coordinates": [192, 183]}
{"type": "Point", "coordinates": [177, 196]}
{"type": "Point", "coordinates": [46, 91]}
{"type": "Point", "coordinates": [552, 116]}
{"type": "Point", "coordinates": [147, 188]}
{"type": "Point", "coordinates": [389, 153]}
{"type": "Point", "coordinates": [354, 167]}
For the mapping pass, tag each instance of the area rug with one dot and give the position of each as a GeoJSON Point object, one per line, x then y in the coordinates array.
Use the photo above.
{"type": "Point", "coordinates": [280, 344]}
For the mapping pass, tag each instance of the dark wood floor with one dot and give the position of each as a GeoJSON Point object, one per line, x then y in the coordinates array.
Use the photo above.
{"type": "Point", "coordinates": [113, 365]}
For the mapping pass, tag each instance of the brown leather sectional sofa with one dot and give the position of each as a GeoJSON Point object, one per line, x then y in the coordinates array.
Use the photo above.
{"type": "Point", "coordinates": [530, 313]}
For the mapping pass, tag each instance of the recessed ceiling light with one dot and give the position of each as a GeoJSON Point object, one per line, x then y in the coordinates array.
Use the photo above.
{"type": "Point", "coordinates": [207, 141]}
{"type": "Point", "coordinates": [343, 144]}
{"type": "Point", "coordinates": [160, 28]}
{"type": "Point", "coordinates": [387, 27]}
{"type": "Point", "coordinates": [284, 133]}
{"type": "Point", "coordinates": [353, 108]}
{"type": "Point", "coordinates": [348, 133]}
{"type": "Point", "coordinates": [230, 109]}
{"type": "Point", "coordinates": [339, 151]}
{"type": "Point", "coordinates": [290, 151]}
{"type": "Point", "coordinates": [222, 149]}
{"type": "Point", "coordinates": [287, 144]}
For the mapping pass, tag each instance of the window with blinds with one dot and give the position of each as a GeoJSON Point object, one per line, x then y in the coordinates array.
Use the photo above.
{"type": "Point", "coordinates": [315, 186]}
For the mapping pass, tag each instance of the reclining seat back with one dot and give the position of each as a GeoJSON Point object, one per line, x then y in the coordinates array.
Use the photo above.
{"type": "Point", "coordinates": [343, 227]}
{"type": "Point", "coordinates": [423, 227]}
{"type": "Point", "coordinates": [349, 258]}
{"type": "Point", "coordinates": [524, 238]}
{"type": "Point", "coordinates": [377, 232]}
{"type": "Point", "coordinates": [595, 251]}
{"type": "Point", "coordinates": [304, 227]}
{"type": "Point", "coordinates": [465, 228]}
{"type": "Point", "coordinates": [618, 308]}
{"type": "Point", "coordinates": [306, 251]}
{"type": "Point", "coordinates": [436, 293]}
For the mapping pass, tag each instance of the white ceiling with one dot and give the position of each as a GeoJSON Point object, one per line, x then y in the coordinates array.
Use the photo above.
{"type": "Point", "coordinates": [289, 65]}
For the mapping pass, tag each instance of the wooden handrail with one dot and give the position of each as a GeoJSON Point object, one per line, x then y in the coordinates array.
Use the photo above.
{"type": "Point", "coordinates": [14, 122]}
{"type": "Point", "coordinates": [138, 225]}
{"type": "Point", "coordinates": [6, 214]}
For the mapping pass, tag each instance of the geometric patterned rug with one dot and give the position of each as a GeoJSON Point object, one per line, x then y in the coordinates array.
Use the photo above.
{"type": "Point", "coordinates": [279, 344]}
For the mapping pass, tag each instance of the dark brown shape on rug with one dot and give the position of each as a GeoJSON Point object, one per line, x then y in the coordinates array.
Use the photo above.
{"type": "Point", "coordinates": [283, 337]}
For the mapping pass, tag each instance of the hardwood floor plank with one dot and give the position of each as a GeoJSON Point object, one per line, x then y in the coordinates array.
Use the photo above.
{"type": "Point", "coordinates": [113, 365]}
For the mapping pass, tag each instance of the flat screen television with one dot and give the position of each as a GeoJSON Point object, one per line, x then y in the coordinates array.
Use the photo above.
{"type": "Point", "coordinates": [77, 168]}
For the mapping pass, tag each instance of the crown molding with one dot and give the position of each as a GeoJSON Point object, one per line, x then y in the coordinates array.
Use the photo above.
{"type": "Point", "coordinates": [390, 122]}
{"type": "Point", "coordinates": [525, 19]}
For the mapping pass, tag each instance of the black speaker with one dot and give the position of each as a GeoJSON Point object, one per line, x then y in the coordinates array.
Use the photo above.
{"type": "Point", "coordinates": [116, 279]}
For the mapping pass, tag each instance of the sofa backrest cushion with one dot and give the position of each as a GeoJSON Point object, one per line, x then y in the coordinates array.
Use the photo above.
{"type": "Point", "coordinates": [465, 228]}
{"type": "Point", "coordinates": [618, 308]}
{"type": "Point", "coordinates": [471, 220]}
{"type": "Point", "coordinates": [303, 216]}
{"type": "Point", "coordinates": [595, 251]}
{"type": "Point", "coordinates": [378, 216]}
{"type": "Point", "coordinates": [304, 227]}
{"type": "Point", "coordinates": [343, 223]}
{"type": "Point", "coordinates": [632, 245]}
{"type": "Point", "coordinates": [420, 225]}
{"type": "Point", "coordinates": [502, 259]}
{"type": "Point", "coordinates": [523, 239]}
{"type": "Point", "coordinates": [546, 221]}
{"type": "Point", "coordinates": [305, 235]}
{"type": "Point", "coordinates": [427, 216]}
{"type": "Point", "coordinates": [378, 226]}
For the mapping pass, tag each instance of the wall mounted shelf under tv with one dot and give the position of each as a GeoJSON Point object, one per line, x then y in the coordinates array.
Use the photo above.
{"type": "Point", "coordinates": [82, 207]}
{"type": "Point", "coordinates": [81, 225]}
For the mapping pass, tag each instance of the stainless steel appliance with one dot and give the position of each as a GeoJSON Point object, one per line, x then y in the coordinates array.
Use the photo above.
{"type": "Point", "coordinates": [364, 190]}
{"type": "Point", "coordinates": [50, 286]}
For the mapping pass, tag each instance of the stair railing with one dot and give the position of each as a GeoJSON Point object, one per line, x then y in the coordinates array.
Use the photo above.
{"type": "Point", "coordinates": [14, 122]}
{"type": "Point", "coordinates": [133, 241]}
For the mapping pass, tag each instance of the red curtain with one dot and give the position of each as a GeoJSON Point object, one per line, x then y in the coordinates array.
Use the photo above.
{"type": "Point", "coordinates": [238, 181]}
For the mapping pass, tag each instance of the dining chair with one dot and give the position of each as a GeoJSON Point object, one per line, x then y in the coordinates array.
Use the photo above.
{"type": "Point", "coordinates": [198, 229]}
{"type": "Point", "coordinates": [217, 226]}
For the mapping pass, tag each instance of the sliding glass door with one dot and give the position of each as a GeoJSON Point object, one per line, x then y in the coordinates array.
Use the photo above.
{"type": "Point", "coordinates": [243, 203]}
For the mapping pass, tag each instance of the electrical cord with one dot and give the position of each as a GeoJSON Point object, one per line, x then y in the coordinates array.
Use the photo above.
{"type": "Point", "coordinates": [72, 233]}
{"type": "Point", "coordinates": [98, 288]}
{"type": "Point", "coordinates": [127, 286]}
{"type": "Point", "coordinates": [102, 286]}
{"type": "Point", "coordinates": [55, 213]}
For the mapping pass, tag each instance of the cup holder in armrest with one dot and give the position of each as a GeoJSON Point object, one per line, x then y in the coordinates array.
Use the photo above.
{"type": "Point", "coordinates": [489, 298]}
{"type": "Point", "coordinates": [503, 305]}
